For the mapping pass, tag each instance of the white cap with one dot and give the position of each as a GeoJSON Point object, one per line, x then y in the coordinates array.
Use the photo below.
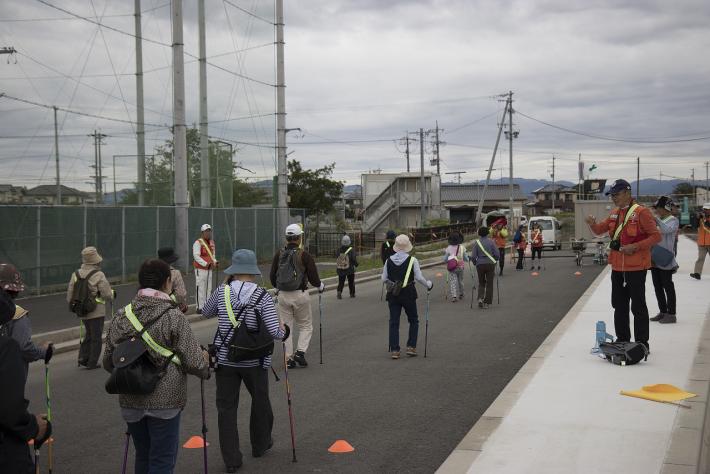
{"type": "Point", "coordinates": [706, 205]}
{"type": "Point", "coordinates": [293, 229]}
{"type": "Point", "coordinates": [205, 227]}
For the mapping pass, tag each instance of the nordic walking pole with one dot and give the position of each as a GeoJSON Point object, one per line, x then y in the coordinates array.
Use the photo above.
{"type": "Point", "coordinates": [47, 357]}
{"type": "Point", "coordinates": [204, 423]}
{"type": "Point", "coordinates": [320, 325]}
{"type": "Point", "coordinates": [125, 453]}
{"type": "Point", "coordinates": [382, 292]}
{"type": "Point", "coordinates": [498, 287]}
{"type": "Point", "coordinates": [426, 325]}
{"type": "Point", "coordinates": [288, 398]}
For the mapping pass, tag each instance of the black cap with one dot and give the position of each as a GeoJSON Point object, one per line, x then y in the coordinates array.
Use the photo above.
{"type": "Point", "coordinates": [391, 234]}
{"type": "Point", "coordinates": [665, 202]}
{"type": "Point", "coordinates": [167, 255]}
{"type": "Point", "coordinates": [618, 186]}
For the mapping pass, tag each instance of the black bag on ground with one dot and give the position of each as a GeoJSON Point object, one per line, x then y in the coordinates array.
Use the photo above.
{"type": "Point", "coordinates": [134, 372]}
{"type": "Point", "coordinates": [624, 353]}
{"type": "Point", "coordinates": [81, 302]}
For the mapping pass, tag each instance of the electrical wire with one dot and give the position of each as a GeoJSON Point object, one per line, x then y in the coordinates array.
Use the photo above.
{"type": "Point", "coordinates": [252, 14]}
{"type": "Point", "coordinates": [613, 139]}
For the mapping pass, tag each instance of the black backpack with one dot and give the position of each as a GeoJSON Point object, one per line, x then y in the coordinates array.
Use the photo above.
{"type": "Point", "coordinates": [81, 302]}
{"type": "Point", "coordinates": [623, 353]}
{"type": "Point", "coordinates": [244, 343]}
{"type": "Point", "coordinates": [290, 273]}
{"type": "Point", "coordinates": [134, 372]}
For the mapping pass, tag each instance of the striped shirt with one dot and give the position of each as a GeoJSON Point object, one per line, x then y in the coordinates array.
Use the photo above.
{"type": "Point", "coordinates": [242, 293]}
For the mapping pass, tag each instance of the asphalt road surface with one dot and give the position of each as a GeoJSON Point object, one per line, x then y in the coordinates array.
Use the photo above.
{"type": "Point", "coordinates": [400, 415]}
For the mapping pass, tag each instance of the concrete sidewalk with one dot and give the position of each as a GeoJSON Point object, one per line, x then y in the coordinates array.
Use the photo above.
{"type": "Point", "coordinates": [562, 412]}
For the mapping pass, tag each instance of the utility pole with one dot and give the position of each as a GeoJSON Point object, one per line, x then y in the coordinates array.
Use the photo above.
{"type": "Point", "coordinates": [179, 135]}
{"type": "Point", "coordinates": [98, 167]}
{"type": "Point", "coordinates": [707, 181]}
{"type": "Point", "coordinates": [56, 158]}
{"type": "Point", "coordinates": [554, 191]}
{"type": "Point", "coordinates": [436, 150]}
{"type": "Point", "coordinates": [281, 118]}
{"type": "Point", "coordinates": [205, 191]}
{"type": "Point", "coordinates": [421, 180]}
{"type": "Point", "coordinates": [490, 168]}
{"type": "Point", "coordinates": [638, 177]}
{"type": "Point", "coordinates": [510, 151]}
{"type": "Point", "coordinates": [406, 137]}
{"type": "Point", "coordinates": [140, 125]}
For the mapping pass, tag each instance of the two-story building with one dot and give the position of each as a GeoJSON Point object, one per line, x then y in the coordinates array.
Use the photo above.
{"type": "Point", "coordinates": [10, 194]}
{"type": "Point", "coordinates": [563, 197]}
{"type": "Point", "coordinates": [47, 194]}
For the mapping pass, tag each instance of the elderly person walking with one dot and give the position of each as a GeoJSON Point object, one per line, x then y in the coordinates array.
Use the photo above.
{"type": "Point", "coordinates": [92, 309]}
{"type": "Point", "coordinates": [154, 419]}
{"type": "Point", "coordinates": [346, 262]}
{"type": "Point", "coordinates": [179, 294]}
{"type": "Point", "coordinates": [399, 274]}
{"type": "Point", "coordinates": [485, 256]}
{"type": "Point", "coordinates": [241, 301]}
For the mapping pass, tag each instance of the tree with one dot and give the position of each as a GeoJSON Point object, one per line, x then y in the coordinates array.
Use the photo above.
{"type": "Point", "coordinates": [313, 190]}
{"type": "Point", "coordinates": [160, 174]}
{"type": "Point", "coordinates": [246, 195]}
{"type": "Point", "coordinates": [683, 189]}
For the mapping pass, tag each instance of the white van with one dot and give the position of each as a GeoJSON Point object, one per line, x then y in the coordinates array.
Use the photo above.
{"type": "Point", "coordinates": [551, 233]}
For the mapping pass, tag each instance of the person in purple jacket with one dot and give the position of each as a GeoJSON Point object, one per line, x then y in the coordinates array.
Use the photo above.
{"type": "Point", "coordinates": [485, 256]}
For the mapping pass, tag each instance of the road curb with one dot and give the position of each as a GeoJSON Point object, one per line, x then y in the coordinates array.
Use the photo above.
{"type": "Point", "coordinates": [67, 340]}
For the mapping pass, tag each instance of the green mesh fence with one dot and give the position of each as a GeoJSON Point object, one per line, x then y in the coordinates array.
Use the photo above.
{"type": "Point", "coordinates": [45, 243]}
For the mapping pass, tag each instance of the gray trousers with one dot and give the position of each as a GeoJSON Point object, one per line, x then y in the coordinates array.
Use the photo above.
{"type": "Point", "coordinates": [261, 420]}
{"type": "Point", "coordinates": [703, 250]}
{"type": "Point", "coordinates": [91, 344]}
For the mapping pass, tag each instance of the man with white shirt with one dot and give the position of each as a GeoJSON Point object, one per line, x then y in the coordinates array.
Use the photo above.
{"type": "Point", "coordinates": [204, 261]}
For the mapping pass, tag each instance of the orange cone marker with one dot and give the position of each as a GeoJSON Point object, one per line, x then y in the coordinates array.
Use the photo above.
{"type": "Point", "coordinates": [341, 446]}
{"type": "Point", "coordinates": [196, 442]}
{"type": "Point", "coordinates": [578, 273]}
{"type": "Point", "coordinates": [439, 275]}
{"type": "Point", "coordinates": [534, 274]}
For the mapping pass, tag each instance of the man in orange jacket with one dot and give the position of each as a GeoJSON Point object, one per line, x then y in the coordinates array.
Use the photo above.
{"type": "Point", "coordinates": [633, 232]}
{"type": "Point", "coordinates": [703, 241]}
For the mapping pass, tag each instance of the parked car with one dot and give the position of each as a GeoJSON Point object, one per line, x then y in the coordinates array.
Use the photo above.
{"type": "Point", "coordinates": [551, 233]}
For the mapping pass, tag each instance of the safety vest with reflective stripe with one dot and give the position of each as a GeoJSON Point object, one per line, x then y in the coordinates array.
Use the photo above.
{"type": "Point", "coordinates": [618, 230]}
{"type": "Point", "coordinates": [230, 310]}
{"type": "Point", "coordinates": [480, 245]}
{"type": "Point", "coordinates": [150, 342]}
{"type": "Point", "coordinates": [207, 248]}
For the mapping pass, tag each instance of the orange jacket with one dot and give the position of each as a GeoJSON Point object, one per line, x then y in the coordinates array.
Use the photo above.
{"type": "Point", "coordinates": [536, 238]}
{"type": "Point", "coordinates": [200, 254]}
{"type": "Point", "coordinates": [704, 233]}
{"type": "Point", "coordinates": [640, 230]}
{"type": "Point", "coordinates": [500, 237]}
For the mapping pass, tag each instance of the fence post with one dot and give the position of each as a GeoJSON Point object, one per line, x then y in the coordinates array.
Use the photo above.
{"type": "Point", "coordinates": [123, 243]}
{"type": "Point", "coordinates": [38, 276]}
{"type": "Point", "coordinates": [157, 228]}
{"type": "Point", "coordinates": [235, 224]}
{"type": "Point", "coordinates": [85, 221]}
{"type": "Point", "coordinates": [255, 236]}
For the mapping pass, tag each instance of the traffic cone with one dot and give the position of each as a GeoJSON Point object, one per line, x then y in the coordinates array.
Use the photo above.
{"type": "Point", "coordinates": [195, 442]}
{"type": "Point", "coordinates": [534, 274]}
{"type": "Point", "coordinates": [439, 275]}
{"type": "Point", "coordinates": [341, 446]}
{"type": "Point", "coordinates": [578, 273]}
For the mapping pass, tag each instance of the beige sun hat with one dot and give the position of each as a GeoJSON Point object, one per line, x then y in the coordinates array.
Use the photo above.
{"type": "Point", "coordinates": [402, 244]}
{"type": "Point", "coordinates": [90, 256]}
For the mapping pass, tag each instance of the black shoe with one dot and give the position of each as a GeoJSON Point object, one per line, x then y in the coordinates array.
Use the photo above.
{"type": "Point", "coordinates": [668, 319]}
{"type": "Point", "coordinates": [695, 275]}
{"type": "Point", "coordinates": [340, 296]}
{"type": "Point", "coordinates": [352, 295]}
{"type": "Point", "coordinates": [300, 357]}
{"type": "Point", "coordinates": [290, 363]}
{"type": "Point", "coordinates": [233, 468]}
{"type": "Point", "coordinates": [81, 365]}
{"type": "Point", "coordinates": [258, 454]}
{"type": "Point", "coordinates": [657, 317]}
{"type": "Point", "coordinates": [198, 311]}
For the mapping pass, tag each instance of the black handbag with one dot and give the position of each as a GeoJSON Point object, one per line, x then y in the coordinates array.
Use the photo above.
{"type": "Point", "coordinates": [247, 344]}
{"type": "Point", "coordinates": [134, 372]}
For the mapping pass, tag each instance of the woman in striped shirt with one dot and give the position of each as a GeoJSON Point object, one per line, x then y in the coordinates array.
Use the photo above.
{"type": "Point", "coordinates": [246, 298]}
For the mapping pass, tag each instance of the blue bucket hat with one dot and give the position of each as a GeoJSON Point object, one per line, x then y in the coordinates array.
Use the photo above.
{"type": "Point", "coordinates": [243, 263]}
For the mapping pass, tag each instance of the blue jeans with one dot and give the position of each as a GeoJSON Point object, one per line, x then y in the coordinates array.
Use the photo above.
{"type": "Point", "coordinates": [156, 443]}
{"type": "Point", "coordinates": [410, 308]}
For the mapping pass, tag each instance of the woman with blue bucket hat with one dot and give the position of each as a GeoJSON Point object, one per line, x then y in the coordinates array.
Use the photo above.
{"type": "Point", "coordinates": [241, 301]}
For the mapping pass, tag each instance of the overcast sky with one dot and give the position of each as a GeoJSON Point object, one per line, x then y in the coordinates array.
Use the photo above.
{"type": "Point", "coordinates": [364, 72]}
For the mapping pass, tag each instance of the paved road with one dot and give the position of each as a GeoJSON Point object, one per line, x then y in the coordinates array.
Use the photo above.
{"type": "Point", "coordinates": [401, 416]}
{"type": "Point", "coordinates": [50, 312]}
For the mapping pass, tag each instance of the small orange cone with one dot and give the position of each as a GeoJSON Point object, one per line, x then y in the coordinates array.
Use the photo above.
{"type": "Point", "coordinates": [439, 275]}
{"type": "Point", "coordinates": [196, 442]}
{"type": "Point", "coordinates": [577, 273]}
{"type": "Point", "coordinates": [341, 446]}
{"type": "Point", "coordinates": [534, 274]}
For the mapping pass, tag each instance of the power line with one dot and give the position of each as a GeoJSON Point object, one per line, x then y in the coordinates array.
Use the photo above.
{"type": "Point", "coordinates": [614, 139]}
{"type": "Point", "coordinates": [76, 112]}
{"type": "Point", "coordinates": [20, 20]}
{"type": "Point", "coordinates": [250, 13]}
